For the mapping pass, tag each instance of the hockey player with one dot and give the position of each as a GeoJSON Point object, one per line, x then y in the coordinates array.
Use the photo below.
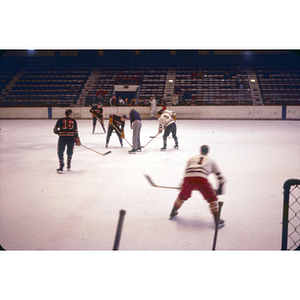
{"type": "Point", "coordinates": [97, 112]}
{"type": "Point", "coordinates": [67, 130]}
{"type": "Point", "coordinates": [171, 113]}
{"type": "Point", "coordinates": [199, 167]}
{"type": "Point", "coordinates": [167, 123]}
{"type": "Point", "coordinates": [116, 123]}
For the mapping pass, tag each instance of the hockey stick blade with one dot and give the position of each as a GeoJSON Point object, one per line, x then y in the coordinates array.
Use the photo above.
{"type": "Point", "coordinates": [103, 154]}
{"type": "Point", "coordinates": [152, 138]}
{"type": "Point", "coordinates": [160, 186]}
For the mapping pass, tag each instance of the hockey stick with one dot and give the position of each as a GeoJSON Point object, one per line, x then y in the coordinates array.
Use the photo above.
{"type": "Point", "coordinates": [160, 186]}
{"type": "Point", "coordinates": [103, 154]}
{"type": "Point", "coordinates": [102, 123]}
{"type": "Point", "coordinates": [152, 138]}
{"type": "Point", "coordinates": [121, 135]}
{"type": "Point", "coordinates": [119, 229]}
{"type": "Point", "coordinates": [217, 225]}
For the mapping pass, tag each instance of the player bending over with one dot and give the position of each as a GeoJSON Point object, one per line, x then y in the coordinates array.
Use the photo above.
{"type": "Point", "coordinates": [116, 123]}
{"type": "Point", "coordinates": [199, 167]}
{"type": "Point", "coordinates": [167, 123]}
{"type": "Point", "coordinates": [67, 130]}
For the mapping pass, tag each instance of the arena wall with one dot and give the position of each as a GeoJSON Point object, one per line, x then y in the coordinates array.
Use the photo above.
{"type": "Point", "coordinates": [183, 112]}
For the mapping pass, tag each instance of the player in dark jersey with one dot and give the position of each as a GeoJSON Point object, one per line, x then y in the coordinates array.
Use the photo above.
{"type": "Point", "coordinates": [67, 130]}
{"type": "Point", "coordinates": [97, 112]}
{"type": "Point", "coordinates": [116, 123]}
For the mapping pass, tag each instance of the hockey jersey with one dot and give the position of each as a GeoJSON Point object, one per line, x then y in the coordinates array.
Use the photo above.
{"type": "Point", "coordinates": [164, 120]}
{"type": "Point", "coordinates": [97, 111]}
{"type": "Point", "coordinates": [66, 127]}
{"type": "Point", "coordinates": [202, 166]}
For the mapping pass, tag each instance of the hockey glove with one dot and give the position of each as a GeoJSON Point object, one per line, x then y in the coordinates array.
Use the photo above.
{"type": "Point", "coordinates": [220, 188]}
{"type": "Point", "coordinates": [77, 141]}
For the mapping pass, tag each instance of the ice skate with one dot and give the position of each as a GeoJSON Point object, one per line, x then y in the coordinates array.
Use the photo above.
{"type": "Point", "coordinates": [164, 148]}
{"type": "Point", "coordinates": [132, 151]}
{"type": "Point", "coordinates": [174, 212]}
{"type": "Point", "coordinates": [221, 223]}
{"type": "Point", "coordinates": [60, 170]}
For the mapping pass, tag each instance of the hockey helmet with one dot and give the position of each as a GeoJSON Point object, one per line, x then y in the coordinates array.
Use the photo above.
{"type": "Point", "coordinates": [68, 112]}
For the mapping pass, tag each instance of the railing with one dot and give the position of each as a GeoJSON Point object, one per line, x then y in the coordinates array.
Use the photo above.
{"type": "Point", "coordinates": [287, 100]}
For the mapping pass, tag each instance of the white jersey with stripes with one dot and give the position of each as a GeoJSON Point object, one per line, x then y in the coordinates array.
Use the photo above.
{"type": "Point", "coordinates": [201, 166]}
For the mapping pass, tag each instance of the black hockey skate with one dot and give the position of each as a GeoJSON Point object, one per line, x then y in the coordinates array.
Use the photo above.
{"type": "Point", "coordinates": [132, 151]}
{"type": "Point", "coordinates": [164, 148]}
{"type": "Point", "coordinates": [60, 170]}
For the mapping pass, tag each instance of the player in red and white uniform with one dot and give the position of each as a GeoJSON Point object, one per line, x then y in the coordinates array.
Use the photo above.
{"type": "Point", "coordinates": [167, 123]}
{"type": "Point", "coordinates": [199, 167]}
{"type": "Point", "coordinates": [67, 130]}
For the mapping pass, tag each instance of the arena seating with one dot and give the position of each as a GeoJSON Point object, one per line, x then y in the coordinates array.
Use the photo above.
{"type": "Point", "coordinates": [279, 85]}
{"type": "Point", "coordinates": [68, 85]}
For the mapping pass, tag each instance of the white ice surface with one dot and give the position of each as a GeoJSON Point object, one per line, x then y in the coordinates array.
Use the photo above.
{"type": "Point", "coordinates": [79, 210]}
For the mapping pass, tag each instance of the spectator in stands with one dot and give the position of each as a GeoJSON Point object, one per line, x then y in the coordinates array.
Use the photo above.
{"type": "Point", "coordinates": [126, 101]}
{"type": "Point", "coordinates": [132, 102]}
{"type": "Point", "coordinates": [89, 99]}
{"type": "Point", "coordinates": [101, 92]}
{"type": "Point", "coordinates": [163, 102]}
{"type": "Point", "coordinates": [238, 71]}
{"type": "Point", "coordinates": [113, 100]}
{"type": "Point", "coordinates": [121, 102]}
{"type": "Point", "coordinates": [239, 85]}
{"type": "Point", "coordinates": [194, 75]}
{"type": "Point", "coordinates": [140, 102]}
{"type": "Point", "coordinates": [175, 99]}
{"type": "Point", "coordinates": [153, 107]}
{"type": "Point", "coordinates": [187, 97]}
{"type": "Point", "coordinates": [98, 99]}
{"type": "Point", "coordinates": [231, 73]}
{"type": "Point", "coordinates": [200, 74]}
{"type": "Point", "coordinates": [226, 75]}
{"type": "Point", "coordinates": [177, 90]}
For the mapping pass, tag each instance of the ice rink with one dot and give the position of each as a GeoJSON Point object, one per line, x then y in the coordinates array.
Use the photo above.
{"type": "Point", "coordinates": [79, 210]}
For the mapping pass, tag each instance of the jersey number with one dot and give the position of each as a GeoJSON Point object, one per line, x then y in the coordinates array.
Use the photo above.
{"type": "Point", "coordinates": [200, 161]}
{"type": "Point", "coordinates": [68, 124]}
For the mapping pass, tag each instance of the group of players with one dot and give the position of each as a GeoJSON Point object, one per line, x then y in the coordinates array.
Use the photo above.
{"type": "Point", "coordinates": [199, 167]}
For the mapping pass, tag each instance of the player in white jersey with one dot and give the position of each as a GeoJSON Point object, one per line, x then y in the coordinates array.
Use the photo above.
{"type": "Point", "coordinates": [199, 167]}
{"type": "Point", "coordinates": [172, 113]}
{"type": "Point", "coordinates": [167, 123]}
